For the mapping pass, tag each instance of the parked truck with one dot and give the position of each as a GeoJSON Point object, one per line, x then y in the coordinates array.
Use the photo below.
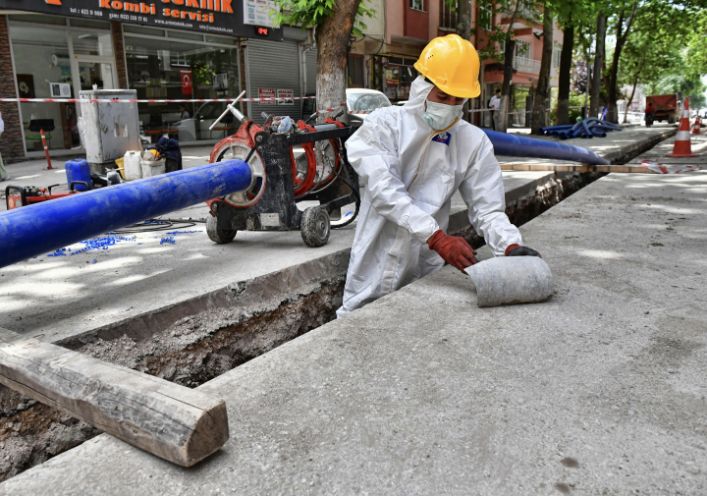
{"type": "Point", "coordinates": [661, 108]}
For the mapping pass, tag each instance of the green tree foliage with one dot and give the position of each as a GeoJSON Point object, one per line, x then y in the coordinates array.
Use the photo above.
{"type": "Point", "coordinates": [651, 52]}
{"type": "Point", "coordinates": [311, 13]}
{"type": "Point", "coordinates": [664, 55]}
{"type": "Point", "coordinates": [646, 41]}
{"type": "Point", "coordinates": [333, 22]}
{"type": "Point", "coordinates": [696, 53]}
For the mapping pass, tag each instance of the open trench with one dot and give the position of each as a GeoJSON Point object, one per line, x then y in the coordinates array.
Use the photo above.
{"type": "Point", "coordinates": [193, 342]}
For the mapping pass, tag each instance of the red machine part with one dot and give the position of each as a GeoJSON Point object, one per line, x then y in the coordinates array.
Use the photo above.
{"type": "Point", "coordinates": [321, 164]}
{"type": "Point", "coordinates": [20, 196]}
{"type": "Point", "coordinates": [239, 145]}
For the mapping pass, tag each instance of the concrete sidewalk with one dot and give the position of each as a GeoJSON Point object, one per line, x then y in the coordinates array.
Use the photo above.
{"type": "Point", "coordinates": [599, 391]}
{"type": "Point", "coordinates": [117, 277]}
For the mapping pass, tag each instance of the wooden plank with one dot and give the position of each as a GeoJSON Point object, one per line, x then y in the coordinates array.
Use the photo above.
{"type": "Point", "coordinates": [549, 167]}
{"type": "Point", "coordinates": [176, 423]}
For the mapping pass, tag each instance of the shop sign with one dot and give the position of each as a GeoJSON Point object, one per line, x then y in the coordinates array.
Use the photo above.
{"type": "Point", "coordinates": [285, 96]}
{"type": "Point", "coordinates": [260, 13]}
{"type": "Point", "coordinates": [208, 16]}
{"type": "Point", "coordinates": [266, 95]}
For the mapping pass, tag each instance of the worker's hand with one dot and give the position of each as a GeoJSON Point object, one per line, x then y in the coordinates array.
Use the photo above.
{"type": "Point", "coordinates": [453, 249]}
{"type": "Point", "coordinates": [516, 250]}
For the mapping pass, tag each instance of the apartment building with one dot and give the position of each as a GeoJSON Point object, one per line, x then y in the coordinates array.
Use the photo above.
{"type": "Point", "coordinates": [383, 58]}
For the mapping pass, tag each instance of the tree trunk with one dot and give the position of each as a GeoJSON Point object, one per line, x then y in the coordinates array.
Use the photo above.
{"type": "Point", "coordinates": [333, 36]}
{"type": "Point", "coordinates": [563, 94]}
{"type": "Point", "coordinates": [599, 55]}
{"type": "Point", "coordinates": [541, 100]}
{"type": "Point", "coordinates": [630, 100]}
{"type": "Point", "coordinates": [508, 54]}
{"type": "Point", "coordinates": [506, 87]}
{"type": "Point", "coordinates": [464, 25]}
{"type": "Point", "coordinates": [613, 76]}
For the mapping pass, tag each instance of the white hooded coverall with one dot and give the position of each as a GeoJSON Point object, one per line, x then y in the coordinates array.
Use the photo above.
{"type": "Point", "coordinates": [407, 175]}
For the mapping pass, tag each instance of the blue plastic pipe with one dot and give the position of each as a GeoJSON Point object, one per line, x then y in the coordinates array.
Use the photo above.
{"type": "Point", "coordinates": [520, 146]}
{"type": "Point", "coordinates": [42, 227]}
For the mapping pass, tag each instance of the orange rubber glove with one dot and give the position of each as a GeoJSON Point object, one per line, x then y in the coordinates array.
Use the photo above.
{"type": "Point", "coordinates": [453, 249]}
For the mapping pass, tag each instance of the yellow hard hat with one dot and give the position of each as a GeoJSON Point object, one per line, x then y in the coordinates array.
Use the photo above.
{"type": "Point", "coordinates": [452, 64]}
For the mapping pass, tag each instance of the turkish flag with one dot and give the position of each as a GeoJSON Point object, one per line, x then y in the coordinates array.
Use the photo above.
{"type": "Point", "coordinates": [185, 78]}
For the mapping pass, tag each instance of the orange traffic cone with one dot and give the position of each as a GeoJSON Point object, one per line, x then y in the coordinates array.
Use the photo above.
{"type": "Point", "coordinates": [682, 146]}
{"type": "Point", "coordinates": [697, 125]}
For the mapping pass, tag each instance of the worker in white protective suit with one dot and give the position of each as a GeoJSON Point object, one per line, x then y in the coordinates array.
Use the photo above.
{"type": "Point", "coordinates": [410, 161]}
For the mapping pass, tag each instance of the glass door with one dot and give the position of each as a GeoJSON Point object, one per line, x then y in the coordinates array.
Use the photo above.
{"type": "Point", "coordinates": [90, 72]}
{"type": "Point", "coordinates": [96, 74]}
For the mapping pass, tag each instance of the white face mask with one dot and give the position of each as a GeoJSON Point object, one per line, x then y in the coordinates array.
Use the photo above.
{"type": "Point", "coordinates": [440, 115]}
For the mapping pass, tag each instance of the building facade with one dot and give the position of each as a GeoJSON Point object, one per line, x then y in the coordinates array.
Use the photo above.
{"type": "Point", "coordinates": [56, 48]}
{"type": "Point", "coordinates": [383, 58]}
{"type": "Point", "coordinates": [53, 49]}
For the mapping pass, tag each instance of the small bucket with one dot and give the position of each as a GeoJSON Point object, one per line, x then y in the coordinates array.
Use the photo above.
{"type": "Point", "coordinates": [152, 168]}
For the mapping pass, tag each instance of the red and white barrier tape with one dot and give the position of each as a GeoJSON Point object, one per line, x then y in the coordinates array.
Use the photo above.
{"type": "Point", "coordinates": [150, 100]}
{"type": "Point", "coordinates": [156, 100]}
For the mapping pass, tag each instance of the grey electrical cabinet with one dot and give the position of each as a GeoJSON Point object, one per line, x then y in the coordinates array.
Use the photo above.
{"type": "Point", "coordinates": [109, 127]}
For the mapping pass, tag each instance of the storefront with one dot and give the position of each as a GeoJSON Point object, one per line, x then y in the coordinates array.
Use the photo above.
{"type": "Point", "coordinates": [168, 65]}
{"type": "Point", "coordinates": [56, 57]}
{"type": "Point", "coordinates": [59, 48]}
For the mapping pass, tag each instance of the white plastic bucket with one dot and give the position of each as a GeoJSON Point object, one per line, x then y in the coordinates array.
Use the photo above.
{"type": "Point", "coordinates": [131, 165]}
{"type": "Point", "coordinates": [151, 167]}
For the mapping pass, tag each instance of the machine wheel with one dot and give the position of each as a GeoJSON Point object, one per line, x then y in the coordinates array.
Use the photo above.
{"type": "Point", "coordinates": [216, 234]}
{"type": "Point", "coordinates": [315, 227]}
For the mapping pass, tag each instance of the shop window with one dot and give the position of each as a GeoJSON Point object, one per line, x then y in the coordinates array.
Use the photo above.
{"type": "Point", "coordinates": [172, 70]}
{"type": "Point", "coordinates": [41, 56]}
{"type": "Point", "coordinates": [417, 4]}
{"type": "Point", "coordinates": [92, 43]}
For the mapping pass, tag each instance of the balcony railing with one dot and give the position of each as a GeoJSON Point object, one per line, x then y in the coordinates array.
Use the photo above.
{"type": "Point", "coordinates": [524, 64]}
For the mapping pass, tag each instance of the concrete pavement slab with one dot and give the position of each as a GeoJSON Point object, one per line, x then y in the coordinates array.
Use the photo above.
{"type": "Point", "coordinates": [115, 277]}
{"type": "Point", "coordinates": [599, 391]}
{"type": "Point", "coordinates": [164, 303]}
